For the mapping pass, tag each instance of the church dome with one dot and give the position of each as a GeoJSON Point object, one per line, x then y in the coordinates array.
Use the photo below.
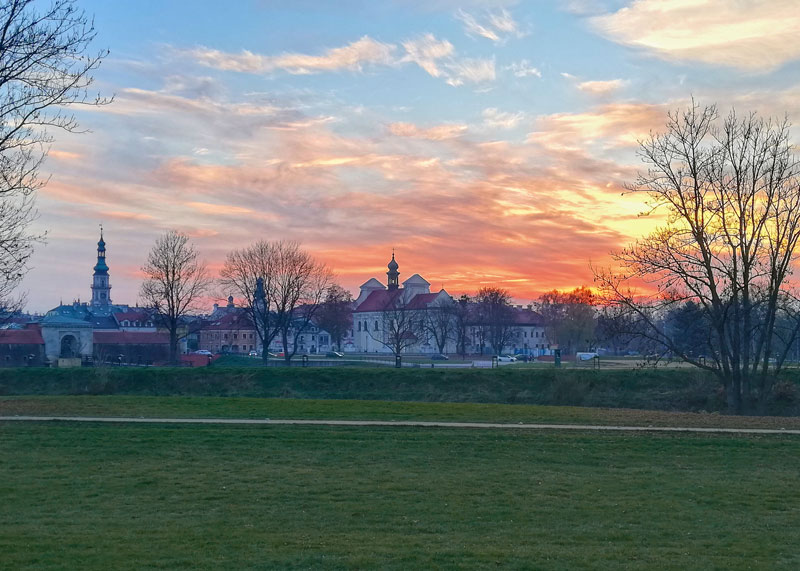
{"type": "Point", "coordinates": [393, 264]}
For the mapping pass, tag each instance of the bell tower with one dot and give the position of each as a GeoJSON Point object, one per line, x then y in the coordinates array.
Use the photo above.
{"type": "Point", "coordinates": [101, 287]}
{"type": "Point", "coordinates": [393, 275]}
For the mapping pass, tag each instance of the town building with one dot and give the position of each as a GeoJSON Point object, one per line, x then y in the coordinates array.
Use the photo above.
{"type": "Point", "coordinates": [391, 318]}
{"type": "Point", "coordinates": [100, 330]}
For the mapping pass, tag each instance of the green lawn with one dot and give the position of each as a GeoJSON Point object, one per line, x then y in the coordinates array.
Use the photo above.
{"type": "Point", "coordinates": [96, 496]}
{"type": "Point", "coordinates": [242, 407]}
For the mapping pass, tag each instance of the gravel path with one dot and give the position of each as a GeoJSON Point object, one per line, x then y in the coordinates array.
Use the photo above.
{"type": "Point", "coordinates": [405, 423]}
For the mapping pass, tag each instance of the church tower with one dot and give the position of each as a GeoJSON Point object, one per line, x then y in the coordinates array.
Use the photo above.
{"type": "Point", "coordinates": [101, 288]}
{"type": "Point", "coordinates": [393, 275]}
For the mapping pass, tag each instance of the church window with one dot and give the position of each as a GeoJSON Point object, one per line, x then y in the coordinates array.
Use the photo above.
{"type": "Point", "coordinates": [359, 326]}
{"type": "Point", "coordinates": [376, 325]}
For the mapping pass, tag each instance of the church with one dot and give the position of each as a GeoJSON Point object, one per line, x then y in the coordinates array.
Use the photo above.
{"type": "Point", "coordinates": [391, 318]}
{"type": "Point", "coordinates": [101, 330]}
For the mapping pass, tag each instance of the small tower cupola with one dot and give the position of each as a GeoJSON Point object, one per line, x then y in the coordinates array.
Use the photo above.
{"type": "Point", "coordinates": [101, 286]}
{"type": "Point", "coordinates": [393, 275]}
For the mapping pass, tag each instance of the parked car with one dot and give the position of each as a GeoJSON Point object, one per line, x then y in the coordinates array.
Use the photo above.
{"type": "Point", "coordinates": [506, 358]}
{"type": "Point", "coordinates": [203, 352]}
{"type": "Point", "coordinates": [253, 353]}
{"type": "Point", "coordinates": [334, 354]}
{"type": "Point", "coordinates": [439, 357]}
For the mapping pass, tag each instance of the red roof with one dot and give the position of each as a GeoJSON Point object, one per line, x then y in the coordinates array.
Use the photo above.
{"type": "Point", "coordinates": [379, 300]}
{"type": "Point", "coordinates": [28, 336]}
{"type": "Point", "coordinates": [130, 338]}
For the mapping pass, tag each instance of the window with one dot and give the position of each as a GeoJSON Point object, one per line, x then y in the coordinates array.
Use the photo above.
{"type": "Point", "coordinates": [376, 325]}
{"type": "Point", "coordinates": [359, 326]}
{"type": "Point", "coordinates": [234, 335]}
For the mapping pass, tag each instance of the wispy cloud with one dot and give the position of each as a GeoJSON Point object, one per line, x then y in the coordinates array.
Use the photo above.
{"type": "Point", "coordinates": [437, 133]}
{"type": "Point", "coordinates": [495, 119]}
{"type": "Point", "coordinates": [426, 51]}
{"type": "Point", "coordinates": [496, 25]}
{"type": "Point", "coordinates": [468, 70]}
{"type": "Point", "coordinates": [437, 57]}
{"type": "Point", "coordinates": [523, 68]}
{"type": "Point", "coordinates": [602, 87]}
{"type": "Point", "coordinates": [353, 57]}
{"type": "Point", "coordinates": [754, 35]}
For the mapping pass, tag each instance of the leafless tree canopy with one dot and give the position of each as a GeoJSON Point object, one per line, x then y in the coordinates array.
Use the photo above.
{"type": "Point", "coordinates": [44, 69]}
{"type": "Point", "coordinates": [294, 286]}
{"type": "Point", "coordinates": [440, 322]}
{"type": "Point", "coordinates": [175, 280]}
{"type": "Point", "coordinates": [732, 196]}
{"type": "Point", "coordinates": [569, 318]}
{"type": "Point", "coordinates": [401, 326]}
{"type": "Point", "coordinates": [335, 315]}
{"type": "Point", "coordinates": [495, 318]}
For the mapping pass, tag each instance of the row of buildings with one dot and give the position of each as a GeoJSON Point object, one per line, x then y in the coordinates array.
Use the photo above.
{"type": "Point", "coordinates": [102, 331]}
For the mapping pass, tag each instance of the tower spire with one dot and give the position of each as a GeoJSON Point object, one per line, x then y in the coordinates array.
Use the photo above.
{"type": "Point", "coordinates": [393, 275]}
{"type": "Point", "coordinates": [101, 288]}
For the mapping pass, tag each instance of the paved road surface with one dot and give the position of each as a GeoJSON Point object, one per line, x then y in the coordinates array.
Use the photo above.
{"type": "Point", "coordinates": [405, 423]}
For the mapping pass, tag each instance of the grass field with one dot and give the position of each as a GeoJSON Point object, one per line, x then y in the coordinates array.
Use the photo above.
{"type": "Point", "coordinates": [204, 497]}
{"type": "Point", "coordinates": [243, 407]}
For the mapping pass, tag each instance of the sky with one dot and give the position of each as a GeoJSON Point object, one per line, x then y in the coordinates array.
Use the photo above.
{"type": "Point", "coordinates": [487, 143]}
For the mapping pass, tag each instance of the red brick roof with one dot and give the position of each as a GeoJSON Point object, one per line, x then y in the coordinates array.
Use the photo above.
{"type": "Point", "coordinates": [29, 336]}
{"type": "Point", "coordinates": [130, 338]}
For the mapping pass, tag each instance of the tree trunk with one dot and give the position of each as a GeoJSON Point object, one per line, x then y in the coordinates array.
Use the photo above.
{"type": "Point", "coordinates": [173, 345]}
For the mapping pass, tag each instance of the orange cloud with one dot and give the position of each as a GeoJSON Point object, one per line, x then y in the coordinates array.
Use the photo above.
{"type": "Point", "coordinates": [755, 35]}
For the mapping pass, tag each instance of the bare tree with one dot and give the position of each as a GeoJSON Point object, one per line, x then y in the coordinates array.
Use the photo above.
{"type": "Point", "coordinates": [462, 310]}
{"type": "Point", "coordinates": [300, 283]}
{"type": "Point", "coordinates": [294, 285]}
{"type": "Point", "coordinates": [44, 69]}
{"type": "Point", "coordinates": [335, 314]}
{"type": "Point", "coordinates": [401, 325]}
{"type": "Point", "coordinates": [732, 197]}
{"type": "Point", "coordinates": [175, 279]}
{"type": "Point", "coordinates": [248, 273]}
{"type": "Point", "coordinates": [439, 322]}
{"type": "Point", "coordinates": [495, 317]}
{"type": "Point", "coordinates": [570, 318]}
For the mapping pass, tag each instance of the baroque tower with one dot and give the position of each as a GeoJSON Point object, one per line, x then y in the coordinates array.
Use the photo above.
{"type": "Point", "coordinates": [101, 288]}
{"type": "Point", "coordinates": [393, 275]}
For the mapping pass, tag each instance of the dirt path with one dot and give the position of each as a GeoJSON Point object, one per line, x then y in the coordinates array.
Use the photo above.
{"type": "Point", "coordinates": [404, 423]}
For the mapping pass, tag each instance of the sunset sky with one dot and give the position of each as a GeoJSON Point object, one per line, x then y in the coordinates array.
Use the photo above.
{"type": "Point", "coordinates": [486, 142]}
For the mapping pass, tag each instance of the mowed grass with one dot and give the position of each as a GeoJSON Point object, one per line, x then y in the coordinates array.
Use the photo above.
{"type": "Point", "coordinates": [94, 496]}
{"type": "Point", "coordinates": [340, 409]}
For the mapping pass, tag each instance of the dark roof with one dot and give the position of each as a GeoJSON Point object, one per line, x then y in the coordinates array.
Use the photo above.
{"type": "Point", "coordinates": [141, 315]}
{"type": "Point", "coordinates": [528, 317]}
{"type": "Point", "coordinates": [422, 300]}
{"type": "Point", "coordinates": [379, 300]}
{"type": "Point", "coordinates": [130, 338]}
{"type": "Point", "coordinates": [239, 319]}
{"type": "Point", "coordinates": [29, 336]}
{"type": "Point", "coordinates": [103, 322]}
